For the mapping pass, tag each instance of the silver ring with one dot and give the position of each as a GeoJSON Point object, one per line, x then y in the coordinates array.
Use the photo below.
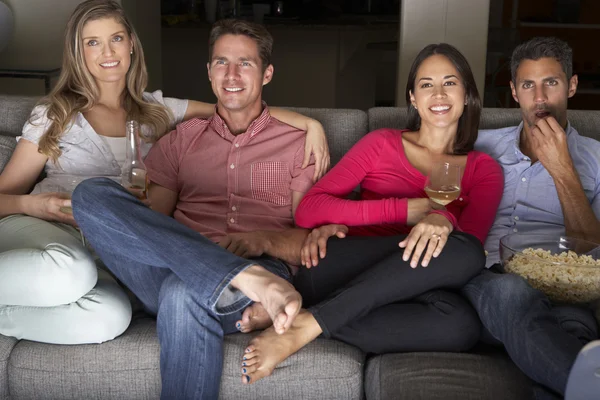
{"type": "Point", "coordinates": [435, 236]}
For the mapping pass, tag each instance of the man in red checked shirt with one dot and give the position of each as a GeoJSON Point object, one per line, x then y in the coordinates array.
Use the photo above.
{"type": "Point", "coordinates": [233, 180]}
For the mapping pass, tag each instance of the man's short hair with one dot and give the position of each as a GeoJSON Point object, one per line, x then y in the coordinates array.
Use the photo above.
{"type": "Point", "coordinates": [256, 32]}
{"type": "Point", "coordinates": [543, 47]}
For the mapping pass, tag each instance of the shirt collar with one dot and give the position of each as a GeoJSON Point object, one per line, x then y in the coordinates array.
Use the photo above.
{"type": "Point", "coordinates": [257, 126]}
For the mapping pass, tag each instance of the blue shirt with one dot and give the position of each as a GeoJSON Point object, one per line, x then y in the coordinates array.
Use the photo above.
{"type": "Point", "coordinates": [530, 201]}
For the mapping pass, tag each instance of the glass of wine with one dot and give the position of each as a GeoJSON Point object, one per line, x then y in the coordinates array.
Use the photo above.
{"type": "Point", "coordinates": [443, 183]}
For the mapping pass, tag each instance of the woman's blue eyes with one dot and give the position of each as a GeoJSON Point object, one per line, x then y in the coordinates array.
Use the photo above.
{"type": "Point", "coordinates": [95, 42]}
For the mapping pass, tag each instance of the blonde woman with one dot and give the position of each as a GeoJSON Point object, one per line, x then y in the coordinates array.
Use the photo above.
{"type": "Point", "coordinates": [50, 288]}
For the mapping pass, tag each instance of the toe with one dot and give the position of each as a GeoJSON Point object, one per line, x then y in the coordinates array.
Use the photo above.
{"type": "Point", "coordinates": [249, 369]}
{"type": "Point", "coordinates": [291, 311]}
{"type": "Point", "coordinates": [280, 323]}
{"type": "Point", "coordinates": [257, 375]}
{"type": "Point", "coordinates": [249, 356]}
{"type": "Point", "coordinates": [250, 362]}
{"type": "Point", "coordinates": [246, 315]}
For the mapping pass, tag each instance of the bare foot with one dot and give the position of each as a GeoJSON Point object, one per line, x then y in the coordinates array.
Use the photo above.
{"type": "Point", "coordinates": [278, 297]}
{"type": "Point", "coordinates": [269, 349]}
{"type": "Point", "coordinates": [254, 318]}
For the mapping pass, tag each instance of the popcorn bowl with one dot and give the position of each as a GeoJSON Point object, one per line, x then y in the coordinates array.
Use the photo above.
{"type": "Point", "coordinates": [566, 269]}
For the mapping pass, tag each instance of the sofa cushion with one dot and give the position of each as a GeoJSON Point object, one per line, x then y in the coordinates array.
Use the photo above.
{"type": "Point", "coordinates": [587, 123]}
{"type": "Point", "coordinates": [6, 346]}
{"type": "Point", "coordinates": [445, 376]}
{"type": "Point", "coordinates": [14, 112]}
{"type": "Point", "coordinates": [7, 146]}
{"type": "Point", "coordinates": [343, 127]}
{"type": "Point", "coordinates": [323, 370]}
{"type": "Point", "coordinates": [124, 368]}
{"type": "Point", "coordinates": [128, 368]}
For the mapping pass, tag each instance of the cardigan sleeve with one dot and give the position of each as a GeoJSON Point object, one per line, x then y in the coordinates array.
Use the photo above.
{"type": "Point", "coordinates": [487, 187]}
{"type": "Point", "coordinates": [326, 203]}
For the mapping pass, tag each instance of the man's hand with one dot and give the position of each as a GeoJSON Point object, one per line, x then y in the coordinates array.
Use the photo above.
{"type": "Point", "coordinates": [245, 245]}
{"type": "Point", "coordinates": [315, 244]}
{"type": "Point", "coordinates": [434, 229]}
{"type": "Point", "coordinates": [550, 147]}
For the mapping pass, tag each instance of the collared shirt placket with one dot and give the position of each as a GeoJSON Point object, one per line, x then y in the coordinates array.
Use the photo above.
{"type": "Point", "coordinates": [233, 181]}
{"type": "Point", "coordinates": [526, 167]}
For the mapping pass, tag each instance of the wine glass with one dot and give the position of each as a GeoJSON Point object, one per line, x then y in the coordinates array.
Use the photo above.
{"type": "Point", "coordinates": [443, 183]}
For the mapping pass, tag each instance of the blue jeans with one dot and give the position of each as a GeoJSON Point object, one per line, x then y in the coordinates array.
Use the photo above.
{"type": "Point", "coordinates": [180, 276]}
{"type": "Point", "coordinates": [542, 340]}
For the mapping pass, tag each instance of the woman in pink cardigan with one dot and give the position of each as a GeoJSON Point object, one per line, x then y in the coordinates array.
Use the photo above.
{"type": "Point", "coordinates": [390, 285]}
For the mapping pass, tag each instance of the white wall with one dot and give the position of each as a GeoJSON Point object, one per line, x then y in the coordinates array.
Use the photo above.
{"type": "Point", "coordinates": [38, 39]}
{"type": "Point", "coordinates": [462, 23]}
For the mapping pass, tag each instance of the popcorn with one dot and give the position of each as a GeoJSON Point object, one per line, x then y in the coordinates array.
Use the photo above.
{"type": "Point", "coordinates": [565, 278]}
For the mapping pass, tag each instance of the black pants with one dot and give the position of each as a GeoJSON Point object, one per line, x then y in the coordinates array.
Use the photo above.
{"type": "Point", "coordinates": [364, 294]}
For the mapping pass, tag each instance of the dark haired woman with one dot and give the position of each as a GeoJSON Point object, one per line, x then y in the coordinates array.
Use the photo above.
{"type": "Point", "coordinates": [369, 290]}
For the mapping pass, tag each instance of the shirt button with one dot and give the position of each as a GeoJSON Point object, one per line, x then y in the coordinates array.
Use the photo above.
{"type": "Point", "coordinates": [523, 179]}
{"type": "Point", "coordinates": [460, 199]}
{"type": "Point", "coordinates": [232, 220]}
{"type": "Point", "coordinates": [232, 166]}
{"type": "Point", "coordinates": [233, 208]}
{"type": "Point", "coordinates": [516, 217]}
{"type": "Point", "coordinates": [237, 145]}
{"type": "Point", "coordinates": [515, 230]}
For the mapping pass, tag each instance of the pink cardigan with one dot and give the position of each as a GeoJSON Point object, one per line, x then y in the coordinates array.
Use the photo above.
{"type": "Point", "coordinates": [378, 164]}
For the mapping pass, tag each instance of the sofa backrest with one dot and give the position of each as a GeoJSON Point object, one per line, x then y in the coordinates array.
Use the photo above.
{"type": "Point", "coordinates": [344, 127]}
{"type": "Point", "coordinates": [587, 122]}
{"type": "Point", "coordinates": [14, 111]}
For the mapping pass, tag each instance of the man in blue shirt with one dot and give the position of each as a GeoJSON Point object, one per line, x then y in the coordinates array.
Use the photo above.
{"type": "Point", "coordinates": [552, 186]}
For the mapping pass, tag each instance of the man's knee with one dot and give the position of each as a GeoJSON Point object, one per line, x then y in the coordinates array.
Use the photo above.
{"type": "Point", "coordinates": [500, 288]}
{"type": "Point", "coordinates": [91, 190]}
{"type": "Point", "coordinates": [501, 300]}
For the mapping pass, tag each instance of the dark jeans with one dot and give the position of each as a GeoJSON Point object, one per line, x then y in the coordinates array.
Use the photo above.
{"type": "Point", "coordinates": [364, 294]}
{"type": "Point", "coordinates": [180, 276]}
{"type": "Point", "coordinates": [542, 340]}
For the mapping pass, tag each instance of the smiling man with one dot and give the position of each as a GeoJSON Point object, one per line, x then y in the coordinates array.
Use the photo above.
{"type": "Point", "coordinates": [232, 180]}
{"type": "Point", "coordinates": [552, 186]}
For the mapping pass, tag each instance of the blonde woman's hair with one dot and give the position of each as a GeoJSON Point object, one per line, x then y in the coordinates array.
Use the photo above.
{"type": "Point", "coordinates": [76, 90]}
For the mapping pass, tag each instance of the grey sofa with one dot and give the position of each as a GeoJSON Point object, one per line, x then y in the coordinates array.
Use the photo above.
{"type": "Point", "coordinates": [128, 367]}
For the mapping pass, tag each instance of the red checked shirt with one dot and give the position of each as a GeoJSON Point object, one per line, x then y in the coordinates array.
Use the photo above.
{"type": "Point", "coordinates": [232, 183]}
